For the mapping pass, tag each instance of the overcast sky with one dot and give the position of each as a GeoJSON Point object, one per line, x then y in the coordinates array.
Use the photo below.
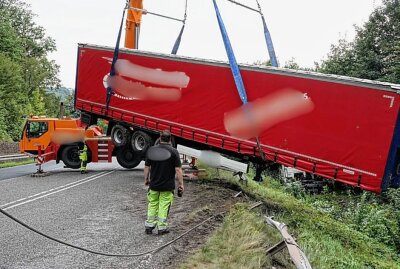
{"type": "Point", "coordinates": [300, 29]}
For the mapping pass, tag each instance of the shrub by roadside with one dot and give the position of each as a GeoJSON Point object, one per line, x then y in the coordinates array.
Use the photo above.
{"type": "Point", "coordinates": [375, 215]}
{"type": "Point", "coordinates": [327, 242]}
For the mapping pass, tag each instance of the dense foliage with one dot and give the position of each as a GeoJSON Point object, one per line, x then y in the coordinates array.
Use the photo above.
{"type": "Point", "coordinates": [375, 215]}
{"type": "Point", "coordinates": [375, 52]}
{"type": "Point", "coordinates": [28, 79]}
{"type": "Point", "coordinates": [329, 240]}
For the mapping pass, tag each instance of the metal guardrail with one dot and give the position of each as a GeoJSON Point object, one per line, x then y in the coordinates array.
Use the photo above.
{"type": "Point", "coordinates": [14, 157]}
{"type": "Point", "coordinates": [296, 254]}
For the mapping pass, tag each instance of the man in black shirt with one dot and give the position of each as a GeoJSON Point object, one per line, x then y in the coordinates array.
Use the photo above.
{"type": "Point", "coordinates": [162, 163]}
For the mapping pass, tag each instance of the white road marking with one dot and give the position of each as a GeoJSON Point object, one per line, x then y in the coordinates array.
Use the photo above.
{"type": "Point", "coordinates": [54, 189]}
{"type": "Point", "coordinates": [43, 194]}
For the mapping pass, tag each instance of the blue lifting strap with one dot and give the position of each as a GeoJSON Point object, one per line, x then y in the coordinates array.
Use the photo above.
{"type": "Point", "coordinates": [235, 70]}
{"type": "Point", "coordinates": [178, 40]}
{"type": "Point", "coordinates": [231, 56]}
{"type": "Point", "coordinates": [268, 39]}
{"type": "Point", "coordinates": [110, 91]}
{"type": "Point", "coordinates": [267, 35]}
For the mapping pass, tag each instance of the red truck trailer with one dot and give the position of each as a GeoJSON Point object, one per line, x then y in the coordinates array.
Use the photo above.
{"type": "Point", "coordinates": [351, 135]}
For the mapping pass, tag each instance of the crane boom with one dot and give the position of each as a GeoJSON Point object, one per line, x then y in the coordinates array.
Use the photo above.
{"type": "Point", "coordinates": [133, 21]}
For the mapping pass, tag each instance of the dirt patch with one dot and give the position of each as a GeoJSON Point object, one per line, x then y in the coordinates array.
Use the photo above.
{"type": "Point", "coordinates": [199, 202]}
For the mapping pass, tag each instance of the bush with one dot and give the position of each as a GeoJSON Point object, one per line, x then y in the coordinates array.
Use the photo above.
{"type": "Point", "coordinates": [375, 215]}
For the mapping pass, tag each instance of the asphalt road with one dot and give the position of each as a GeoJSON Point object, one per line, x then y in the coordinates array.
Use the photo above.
{"type": "Point", "coordinates": [95, 210]}
{"type": "Point", "coordinates": [86, 210]}
{"type": "Point", "coordinates": [103, 210]}
{"type": "Point", "coordinates": [23, 170]}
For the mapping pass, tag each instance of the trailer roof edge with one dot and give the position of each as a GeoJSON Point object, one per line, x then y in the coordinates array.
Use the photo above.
{"type": "Point", "coordinates": [380, 85]}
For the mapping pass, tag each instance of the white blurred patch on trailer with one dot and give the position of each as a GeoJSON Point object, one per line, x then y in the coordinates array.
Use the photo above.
{"type": "Point", "coordinates": [214, 159]}
{"type": "Point", "coordinates": [290, 173]}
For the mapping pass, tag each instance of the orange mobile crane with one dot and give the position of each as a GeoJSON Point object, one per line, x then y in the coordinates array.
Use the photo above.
{"type": "Point", "coordinates": [62, 138]}
{"type": "Point", "coordinates": [133, 21]}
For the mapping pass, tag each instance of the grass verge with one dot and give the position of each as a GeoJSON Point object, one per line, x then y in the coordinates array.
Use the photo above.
{"type": "Point", "coordinates": [238, 243]}
{"type": "Point", "coordinates": [326, 242]}
{"type": "Point", "coordinates": [16, 163]}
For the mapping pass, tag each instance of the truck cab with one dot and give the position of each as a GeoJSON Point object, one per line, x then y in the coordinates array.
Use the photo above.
{"type": "Point", "coordinates": [42, 131]}
{"type": "Point", "coordinates": [61, 139]}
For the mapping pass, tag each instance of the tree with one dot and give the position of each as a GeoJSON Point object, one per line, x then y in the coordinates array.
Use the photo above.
{"type": "Point", "coordinates": [10, 45]}
{"type": "Point", "coordinates": [33, 37]}
{"type": "Point", "coordinates": [25, 72]}
{"type": "Point", "coordinates": [291, 64]}
{"type": "Point", "coordinates": [39, 72]}
{"type": "Point", "coordinates": [37, 102]}
{"type": "Point", "coordinates": [375, 52]}
{"type": "Point", "coordinates": [69, 105]}
{"type": "Point", "coordinates": [14, 102]}
{"type": "Point", "coordinates": [52, 104]}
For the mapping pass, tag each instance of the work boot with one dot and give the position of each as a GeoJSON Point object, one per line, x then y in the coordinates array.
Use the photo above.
{"type": "Point", "coordinates": [164, 231]}
{"type": "Point", "coordinates": [149, 230]}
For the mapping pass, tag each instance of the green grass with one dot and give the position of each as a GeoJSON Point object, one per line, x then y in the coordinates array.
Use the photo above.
{"type": "Point", "coordinates": [238, 243]}
{"type": "Point", "coordinates": [375, 215]}
{"type": "Point", "coordinates": [328, 243]}
{"type": "Point", "coordinates": [16, 163]}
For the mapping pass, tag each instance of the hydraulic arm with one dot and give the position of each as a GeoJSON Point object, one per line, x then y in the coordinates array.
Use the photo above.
{"type": "Point", "coordinates": [133, 21]}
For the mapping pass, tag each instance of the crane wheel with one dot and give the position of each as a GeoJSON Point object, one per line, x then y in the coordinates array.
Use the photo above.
{"type": "Point", "coordinates": [70, 156]}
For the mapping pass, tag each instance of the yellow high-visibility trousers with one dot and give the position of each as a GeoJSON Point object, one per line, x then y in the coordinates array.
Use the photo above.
{"type": "Point", "coordinates": [159, 203]}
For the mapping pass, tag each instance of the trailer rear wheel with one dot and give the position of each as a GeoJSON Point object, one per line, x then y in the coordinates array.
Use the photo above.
{"type": "Point", "coordinates": [70, 157]}
{"type": "Point", "coordinates": [120, 135]}
{"type": "Point", "coordinates": [141, 142]}
{"type": "Point", "coordinates": [127, 158]}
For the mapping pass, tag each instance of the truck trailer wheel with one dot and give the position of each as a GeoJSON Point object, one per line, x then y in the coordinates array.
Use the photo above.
{"type": "Point", "coordinates": [70, 157]}
{"type": "Point", "coordinates": [127, 158]}
{"type": "Point", "coordinates": [120, 135]}
{"type": "Point", "coordinates": [141, 142]}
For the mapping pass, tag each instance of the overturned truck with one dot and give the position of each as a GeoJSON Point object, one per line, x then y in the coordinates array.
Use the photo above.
{"type": "Point", "coordinates": [339, 128]}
